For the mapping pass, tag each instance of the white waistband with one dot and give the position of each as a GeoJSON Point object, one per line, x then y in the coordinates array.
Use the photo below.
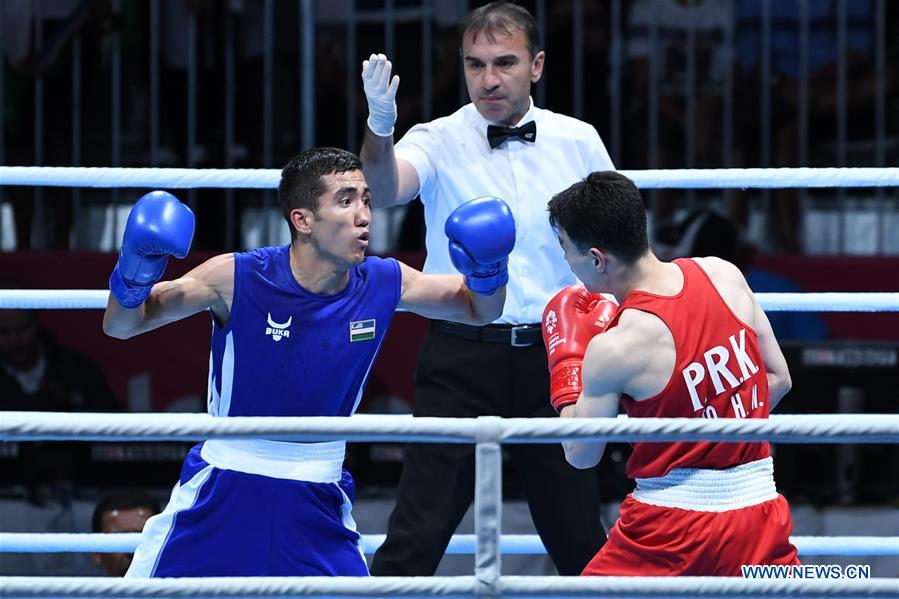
{"type": "Point", "coordinates": [313, 462]}
{"type": "Point", "coordinates": [707, 490]}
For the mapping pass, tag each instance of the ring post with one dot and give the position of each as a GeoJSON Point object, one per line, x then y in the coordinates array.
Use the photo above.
{"type": "Point", "coordinates": [488, 504]}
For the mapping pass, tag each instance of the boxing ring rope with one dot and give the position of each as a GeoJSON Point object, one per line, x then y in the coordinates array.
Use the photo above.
{"type": "Point", "coordinates": [73, 299]}
{"type": "Point", "coordinates": [487, 433]}
{"type": "Point", "coordinates": [185, 178]}
{"type": "Point", "coordinates": [460, 544]}
{"type": "Point", "coordinates": [531, 587]}
{"type": "Point", "coordinates": [780, 428]}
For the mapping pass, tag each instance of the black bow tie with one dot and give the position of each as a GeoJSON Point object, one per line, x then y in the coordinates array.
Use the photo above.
{"type": "Point", "coordinates": [497, 135]}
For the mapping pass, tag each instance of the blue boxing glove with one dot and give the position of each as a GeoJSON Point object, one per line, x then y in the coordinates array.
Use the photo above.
{"type": "Point", "coordinates": [158, 226]}
{"type": "Point", "coordinates": [481, 235]}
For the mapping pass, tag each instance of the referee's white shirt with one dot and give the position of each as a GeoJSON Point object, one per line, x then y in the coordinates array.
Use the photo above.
{"type": "Point", "coordinates": [455, 164]}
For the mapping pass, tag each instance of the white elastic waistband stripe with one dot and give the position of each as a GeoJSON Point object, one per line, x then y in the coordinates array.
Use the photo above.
{"type": "Point", "coordinates": [312, 462]}
{"type": "Point", "coordinates": [710, 490]}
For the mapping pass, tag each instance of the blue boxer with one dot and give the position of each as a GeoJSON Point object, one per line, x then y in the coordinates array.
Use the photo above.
{"type": "Point", "coordinates": [295, 332]}
{"type": "Point", "coordinates": [267, 508]}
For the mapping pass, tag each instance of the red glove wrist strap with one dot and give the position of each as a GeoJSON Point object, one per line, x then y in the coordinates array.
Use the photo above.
{"type": "Point", "coordinates": [565, 383]}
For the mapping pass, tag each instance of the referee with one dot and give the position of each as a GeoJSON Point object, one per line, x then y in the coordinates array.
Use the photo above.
{"type": "Point", "coordinates": [498, 145]}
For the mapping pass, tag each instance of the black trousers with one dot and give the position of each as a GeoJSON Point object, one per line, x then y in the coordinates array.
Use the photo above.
{"type": "Point", "coordinates": [462, 378]}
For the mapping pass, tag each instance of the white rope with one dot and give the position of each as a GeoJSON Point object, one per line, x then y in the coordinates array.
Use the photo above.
{"type": "Point", "coordinates": [33, 426]}
{"type": "Point", "coordinates": [781, 428]}
{"type": "Point", "coordinates": [531, 587]}
{"type": "Point", "coordinates": [805, 428]}
{"type": "Point", "coordinates": [185, 178]}
{"type": "Point", "coordinates": [521, 544]}
{"type": "Point", "coordinates": [150, 178]}
{"type": "Point", "coordinates": [827, 302]}
{"type": "Point", "coordinates": [68, 542]}
{"type": "Point", "coordinates": [759, 178]}
{"type": "Point", "coordinates": [460, 544]}
{"type": "Point", "coordinates": [54, 299]}
{"type": "Point", "coordinates": [65, 299]}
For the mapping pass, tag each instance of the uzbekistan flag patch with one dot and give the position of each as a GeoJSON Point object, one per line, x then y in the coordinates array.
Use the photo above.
{"type": "Point", "coordinates": [362, 330]}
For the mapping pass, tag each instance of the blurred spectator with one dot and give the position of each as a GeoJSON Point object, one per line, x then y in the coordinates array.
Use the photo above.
{"type": "Point", "coordinates": [183, 22]}
{"type": "Point", "coordinates": [784, 83]}
{"type": "Point", "coordinates": [192, 37]}
{"type": "Point", "coordinates": [65, 19]}
{"type": "Point", "coordinates": [36, 374]}
{"type": "Point", "coordinates": [123, 511]}
{"type": "Point", "coordinates": [594, 20]}
{"type": "Point", "coordinates": [708, 21]}
{"type": "Point", "coordinates": [707, 233]}
{"type": "Point", "coordinates": [35, 40]}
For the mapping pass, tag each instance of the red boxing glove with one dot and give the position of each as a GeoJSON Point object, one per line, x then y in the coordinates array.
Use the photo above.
{"type": "Point", "coordinates": [570, 320]}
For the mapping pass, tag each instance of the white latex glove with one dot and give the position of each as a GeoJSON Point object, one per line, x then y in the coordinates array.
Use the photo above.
{"type": "Point", "coordinates": [380, 91]}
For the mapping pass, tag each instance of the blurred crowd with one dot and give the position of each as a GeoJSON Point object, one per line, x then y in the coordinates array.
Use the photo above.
{"type": "Point", "coordinates": [692, 81]}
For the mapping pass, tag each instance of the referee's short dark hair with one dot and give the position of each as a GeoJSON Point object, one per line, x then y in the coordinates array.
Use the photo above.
{"type": "Point", "coordinates": [501, 16]}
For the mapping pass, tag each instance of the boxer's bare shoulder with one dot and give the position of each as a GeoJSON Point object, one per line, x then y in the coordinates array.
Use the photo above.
{"type": "Point", "coordinates": [647, 351]}
{"type": "Point", "coordinates": [731, 285]}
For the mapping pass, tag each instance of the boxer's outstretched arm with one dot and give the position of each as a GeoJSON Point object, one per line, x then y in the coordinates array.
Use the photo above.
{"type": "Point", "coordinates": [447, 297]}
{"type": "Point", "coordinates": [480, 235]}
{"type": "Point", "coordinates": [208, 286]}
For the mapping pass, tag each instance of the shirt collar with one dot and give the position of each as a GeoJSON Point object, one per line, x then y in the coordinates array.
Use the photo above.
{"type": "Point", "coordinates": [482, 123]}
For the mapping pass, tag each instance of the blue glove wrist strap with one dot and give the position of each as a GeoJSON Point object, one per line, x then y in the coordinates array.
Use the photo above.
{"type": "Point", "coordinates": [487, 285]}
{"type": "Point", "coordinates": [129, 295]}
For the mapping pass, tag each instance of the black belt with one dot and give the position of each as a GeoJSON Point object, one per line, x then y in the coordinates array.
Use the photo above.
{"type": "Point", "coordinates": [521, 335]}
